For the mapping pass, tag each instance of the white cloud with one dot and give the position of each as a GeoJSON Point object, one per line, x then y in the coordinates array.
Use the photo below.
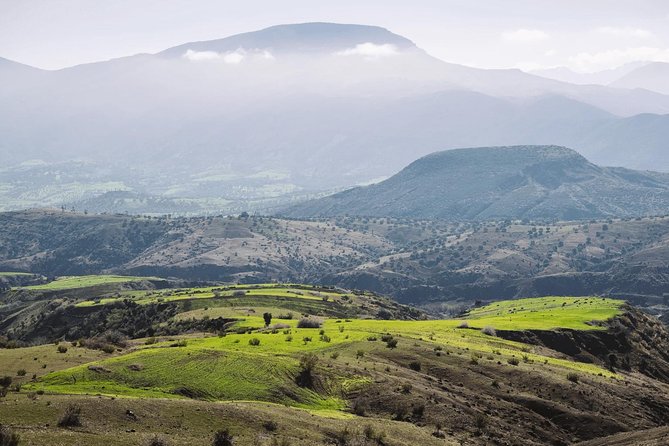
{"type": "Point", "coordinates": [524, 35]}
{"type": "Point", "coordinates": [201, 55]}
{"type": "Point", "coordinates": [370, 50]}
{"type": "Point", "coordinates": [234, 57]}
{"type": "Point", "coordinates": [614, 58]}
{"type": "Point", "coordinates": [625, 31]}
{"type": "Point", "coordinates": [230, 57]}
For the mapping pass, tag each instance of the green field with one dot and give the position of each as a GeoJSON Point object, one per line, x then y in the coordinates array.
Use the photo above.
{"type": "Point", "coordinates": [545, 313]}
{"type": "Point", "coordinates": [74, 282]}
{"type": "Point", "coordinates": [230, 368]}
{"type": "Point", "coordinates": [13, 274]}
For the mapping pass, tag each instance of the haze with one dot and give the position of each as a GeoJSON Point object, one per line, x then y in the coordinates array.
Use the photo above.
{"type": "Point", "coordinates": [528, 34]}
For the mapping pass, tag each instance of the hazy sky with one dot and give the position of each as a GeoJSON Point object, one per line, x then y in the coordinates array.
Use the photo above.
{"type": "Point", "coordinates": [586, 35]}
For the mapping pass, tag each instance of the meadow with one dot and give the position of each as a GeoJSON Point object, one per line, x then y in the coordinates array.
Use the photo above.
{"type": "Point", "coordinates": [258, 363]}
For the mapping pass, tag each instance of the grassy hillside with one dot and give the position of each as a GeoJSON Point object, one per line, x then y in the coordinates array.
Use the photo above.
{"type": "Point", "coordinates": [353, 379]}
{"type": "Point", "coordinates": [74, 282]}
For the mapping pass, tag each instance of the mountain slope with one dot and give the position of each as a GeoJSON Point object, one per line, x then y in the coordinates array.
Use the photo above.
{"type": "Point", "coordinates": [653, 76]}
{"type": "Point", "coordinates": [501, 182]}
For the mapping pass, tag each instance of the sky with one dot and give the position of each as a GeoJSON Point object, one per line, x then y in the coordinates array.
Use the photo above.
{"type": "Point", "coordinates": [585, 35]}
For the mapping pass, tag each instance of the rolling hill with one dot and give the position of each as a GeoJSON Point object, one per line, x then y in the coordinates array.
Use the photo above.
{"type": "Point", "coordinates": [534, 182]}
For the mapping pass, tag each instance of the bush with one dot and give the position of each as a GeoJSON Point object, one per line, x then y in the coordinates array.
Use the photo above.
{"type": "Point", "coordinates": [415, 365]}
{"type": "Point", "coordinates": [309, 322]}
{"type": "Point", "coordinates": [109, 349]}
{"type": "Point", "coordinates": [62, 349]}
{"type": "Point", "coordinates": [223, 438]}
{"type": "Point", "coordinates": [21, 372]}
{"type": "Point", "coordinates": [270, 426]}
{"type": "Point", "coordinates": [573, 377]}
{"type": "Point", "coordinates": [513, 361]}
{"type": "Point", "coordinates": [392, 343]}
{"type": "Point", "coordinates": [490, 331]}
{"type": "Point", "coordinates": [71, 417]}
{"type": "Point", "coordinates": [5, 381]}
{"type": "Point", "coordinates": [254, 341]}
{"type": "Point", "coordinates": [463, 324]}
{"type": "Point", "coordinates": [8, 437]}
{"type": "Point", "coordinates": [157, 441]}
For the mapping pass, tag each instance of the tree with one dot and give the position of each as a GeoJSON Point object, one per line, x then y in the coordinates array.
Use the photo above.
{"type": "Point", "coordinates": [268, 318]}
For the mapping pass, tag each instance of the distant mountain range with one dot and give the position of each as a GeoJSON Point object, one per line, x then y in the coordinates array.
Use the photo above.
{"type": "Point", "coordinates": [291, 110]}
{"type": "Point", "coordinates": [533, 182]}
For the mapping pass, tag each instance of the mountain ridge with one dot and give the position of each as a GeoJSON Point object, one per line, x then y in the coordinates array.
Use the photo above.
{"type": "Point", "coordinates": [548, 182]}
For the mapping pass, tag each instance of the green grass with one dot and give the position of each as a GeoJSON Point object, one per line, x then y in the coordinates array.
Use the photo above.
{"type": "Point", "coordinates": [13, 274]}
{"type": "Point", "coordinates": [74, 282]}
{"type": "Point", "coordinates": [229, 368]}
{"type": "Point", "coordinates": [192, 371]}
{"type": "Point", "coordinates": [545, 313]}
{"type": "Point", "coordinates": [251, 291]}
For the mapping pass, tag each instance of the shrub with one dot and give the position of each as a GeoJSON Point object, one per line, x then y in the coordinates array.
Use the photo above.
{"type": "Point", "coordinates": [513, 361]}
{"type": "Point", "coordinates": [573, 377]}
{"type": "Point", "coordinates": [289, 338]}
{"type": "Point", "coordinates": [270, 425]}
{"type": "Point", "coordinates": [360, 407]}
{"type": "Point", "coordinates": [254, 341]}
{"type": "Point", "coordinates": [157, 441]}
{"type": "Point", "coordinates": [418, 411]}
{"type": "Point", "coordinates": [334, 355]}
{"type": "Point", "coordinates": [309, 322]}
{"type": "Point", "coordinates": [386, 337]}
{"type": "Point", "coordinates": [463, 324]}
{"type": "Point", "coordinates": [308, 363]}
{"type": "Point", "coordinates": [223, 438]}
{"type": "Point", "coordinates": [111, 349]}
{"type": "Point", "coordinates": [325, 338]}
{"type": "Point", "coordinates": [359, 354]}
{"type": "Point", "coordinates": [415, 365]}
{"type": "Point", "coordinates": [62, 349]}
{"type": "Point", "coordinates": [392, 343]}
{"type": "Point", "coordinates": [8, 437]}
{"type": "Point", "coordinates": [5, 381]}
{"type": "Point", "coordinates": [490, 331]}
{"type": "Point", "coordinates": [21, 372]}
{"type": "Point", "coordinates": [71, 417]}
{"type": "Point", "coordinates": [406, 388]}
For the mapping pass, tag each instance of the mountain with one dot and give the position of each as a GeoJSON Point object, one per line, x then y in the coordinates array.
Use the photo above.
{"type": "Point", "coordinates": [283, 113]}
{"type": "Point", "coordinates": [301, 38]}
{"type": "Point", "coordinates": [545, 182]}
{"type": "Point", "coordinates": [653, 76]}
{"type": "Point", "coordinates": [604, 77]}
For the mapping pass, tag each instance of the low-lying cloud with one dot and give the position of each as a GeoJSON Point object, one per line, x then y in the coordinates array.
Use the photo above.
{"type": "Point", "coordinates": [229, 57]}
{"type": "Point", "coordinates": [370, 50]}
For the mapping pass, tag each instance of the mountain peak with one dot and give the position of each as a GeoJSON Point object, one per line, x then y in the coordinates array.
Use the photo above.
{"type": "Point", "coordinates": [313, 37]}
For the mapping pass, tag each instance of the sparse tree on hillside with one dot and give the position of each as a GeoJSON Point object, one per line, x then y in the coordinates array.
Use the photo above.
{"type": "Point", "coordinates": [268, 318]}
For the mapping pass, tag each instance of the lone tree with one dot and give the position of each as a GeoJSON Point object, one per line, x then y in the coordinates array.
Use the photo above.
{"type": "Point", "coordinates": [268, 318]}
